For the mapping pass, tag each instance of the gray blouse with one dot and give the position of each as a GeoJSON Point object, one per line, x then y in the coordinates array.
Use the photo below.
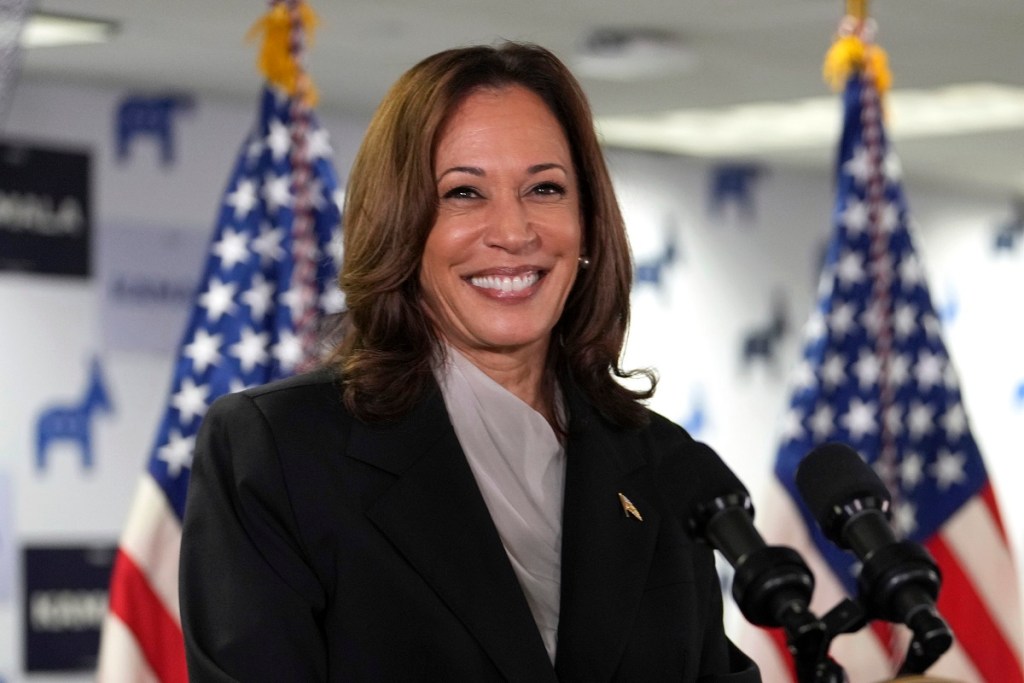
{"type": "Point", "coordinates": [519, 466]}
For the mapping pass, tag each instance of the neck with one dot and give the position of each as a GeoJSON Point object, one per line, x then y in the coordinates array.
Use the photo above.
{"type": "Point", "coordinates": [521, 372]}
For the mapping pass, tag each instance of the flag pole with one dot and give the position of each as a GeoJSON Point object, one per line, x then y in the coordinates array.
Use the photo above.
{"type": "Point", "coordinates": [287, 28]}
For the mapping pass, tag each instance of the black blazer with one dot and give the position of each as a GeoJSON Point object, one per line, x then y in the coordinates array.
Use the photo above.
{"type": "Point", "coordinates": [317, 547]}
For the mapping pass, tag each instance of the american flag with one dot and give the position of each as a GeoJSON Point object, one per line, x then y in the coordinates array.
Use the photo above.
{"type": "Point", "coordinates": [875, 374]}
{"type": "Point", "coordinates": [268, 278]}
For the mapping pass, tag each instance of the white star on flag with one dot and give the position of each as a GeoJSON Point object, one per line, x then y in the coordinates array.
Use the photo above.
{"type": "Point", "coordinates": [268, 244]}
{"type": "Point", "coordinates": [911, 470]}
{"type": "Point", "coordinates": [318, 145]}
{"type": "Point", "coordinates": [904, 518]}
{"type": "Point", "coordinates": [833, 370]}
{"type": "Point", "coordinates": [232, 248]}
{"type": "Point", "coordinates": [859, 167]}
{"type": "Point", "coordinates": [821, 421]}
{"type": "Point", "coordinates": [841, 320]}
{"type": "Point", "coordinates": [288, 350]}
{"type": "Point", "coordinates": [850, 269]}
{"type": "Point", "coordinates": [177, 452]}
{"type": "Point", "coordinates": [855, 216]}
{"type": "Point", "coordinates": [867, 368]}
{"type": "Point", "coordinates": [954, 421]}
{"type": "Point", "coordinates": [929, 370]}
{"type": "Point", "coordinates": [919, 419]}
{"type": "Point", "coordinates": [218, 299]}
{"type": "Point", "coordinates": [860, 418]}
{"type": "Point", "coordinates": [243, 199]}
{"type": "Point", "coordinates": [191, 399]}
{"type": "Point", "coordinates": [204, 350]}
{"type": "Point", "coordinates": [296, 299]}
{"type": "Point", "coordinates": [259, 296]}
{"type": "Point", "coordinates": [905, 321]}
{"type": "Point", "coordinates": [279, 140]}
{"type": "Point", "coordinates": [277, 191]}
{"type": "Point", "coordinates": [948, 469]}
{"type": "Point", "coordinates": [899, 369]}
{"type": "Point", "coordinates": [251, 349]}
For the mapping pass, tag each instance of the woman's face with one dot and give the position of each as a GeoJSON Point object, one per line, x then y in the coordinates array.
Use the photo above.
{"type": "Point", "coordinates": [503, 253]}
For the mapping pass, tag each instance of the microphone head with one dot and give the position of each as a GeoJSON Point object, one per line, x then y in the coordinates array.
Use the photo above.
{"type": "Point", "coordinates": [830, 478]}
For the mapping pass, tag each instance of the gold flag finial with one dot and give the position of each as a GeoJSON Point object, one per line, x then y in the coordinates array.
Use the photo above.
{"type": "Point", "coordinates": [854, 50]}
{"type": "Point", "coordinates": [285, 30]}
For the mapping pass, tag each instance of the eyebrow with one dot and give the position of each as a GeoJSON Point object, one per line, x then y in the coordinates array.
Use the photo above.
{"type": "Point", "coordinates": [479, 172]}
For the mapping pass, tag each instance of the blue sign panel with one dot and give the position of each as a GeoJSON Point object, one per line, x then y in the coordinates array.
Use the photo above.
{"type": "Point", "coordinates": [66, 591]}
{"type": "Point", "coordinates": [45, 222]}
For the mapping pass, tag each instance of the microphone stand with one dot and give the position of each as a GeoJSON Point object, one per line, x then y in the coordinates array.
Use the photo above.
{"type": "Point", "coordinates": [809, 642]}
{"type": "Point", "coordinates": [772, 587]}
{"type": "Point", "coordinates": [809, 645]}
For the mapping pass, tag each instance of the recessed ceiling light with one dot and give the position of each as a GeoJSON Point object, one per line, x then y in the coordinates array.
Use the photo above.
{"type": "Point", "coordinates": [51, 30]}
{"type": "Point", "coordinates": [627, 54]}
{"type": "Point", "coordinates": [764, 127]}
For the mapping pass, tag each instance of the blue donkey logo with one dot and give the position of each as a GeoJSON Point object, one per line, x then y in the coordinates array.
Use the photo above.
{"type": "Point", "coordinates": [73, 422]}
{"type": "Point", "coordinates": [149, 117]}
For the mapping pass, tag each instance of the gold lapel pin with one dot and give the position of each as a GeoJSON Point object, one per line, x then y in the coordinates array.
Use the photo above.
{"type": "Point", "coordinates": [629, 509]}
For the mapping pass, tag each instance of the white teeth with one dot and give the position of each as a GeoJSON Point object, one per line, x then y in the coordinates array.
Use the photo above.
{"type": "Point", "coordinates": [504, 283]}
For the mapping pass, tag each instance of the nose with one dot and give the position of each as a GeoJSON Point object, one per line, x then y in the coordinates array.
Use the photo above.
{"type": "Point", "coordinates": [509, 226]}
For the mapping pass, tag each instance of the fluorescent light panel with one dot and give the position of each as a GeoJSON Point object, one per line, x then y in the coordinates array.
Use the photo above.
{"type": "Point", "coordinates": [815, 122]}
{"type": "Point", "coordinates": [51, 30]}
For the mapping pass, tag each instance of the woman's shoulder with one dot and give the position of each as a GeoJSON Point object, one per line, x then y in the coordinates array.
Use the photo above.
{"type": "Point", "coordinates": [665, 431]}
{"type": "Point", "coordinates": [322, 380]}
{"type": "Point", "coordinates": [670, 447]}
{"type": "Point", "coordinates": [300, 397]}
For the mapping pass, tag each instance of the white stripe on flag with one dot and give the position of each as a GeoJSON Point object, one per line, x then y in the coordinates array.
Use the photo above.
{"type": "Point", "coordinates": [121, 660]}
{"type": "Point", "coordinates": [768, 657]}
{"type": "Point", "coordinates": [972, 534]}
{"type": "Point", "coordinates": [152, 538]}
{"type": "Point", "coordinates": [956, 665]}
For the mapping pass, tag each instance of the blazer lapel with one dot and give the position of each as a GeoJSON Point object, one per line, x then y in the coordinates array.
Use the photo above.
{"type": "Point", "coordinates": [606, 552]}
{"type": "Point", "coordinates": [436, 517]}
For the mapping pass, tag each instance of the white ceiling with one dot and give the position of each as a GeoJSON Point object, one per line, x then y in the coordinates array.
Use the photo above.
{"type": "Point", "coordinates": [743, 51]}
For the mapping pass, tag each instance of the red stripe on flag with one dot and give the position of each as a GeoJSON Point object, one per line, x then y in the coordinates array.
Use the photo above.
{"type": "Point", "coordinates": [135, 603]}
{"type": "Point", "coordinates": [778, 638]}
{"type": "Point", "coordinates": [972, 625]}
{"type": "Point", "coordinates": [988, 495]}
{"type": "Point", "coordinates": [886, 636]}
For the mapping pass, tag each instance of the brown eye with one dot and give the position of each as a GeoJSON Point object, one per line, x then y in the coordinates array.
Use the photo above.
{"type": "Point", "coordinates": [462, 192]}
{"type": "Point", "coordinates": [549, 189]}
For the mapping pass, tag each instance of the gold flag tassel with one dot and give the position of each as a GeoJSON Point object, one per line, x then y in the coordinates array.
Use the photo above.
{"type": "Point", "coordinates": [854, 50]}
{"type": "Point", "coordinates": [280, 58]}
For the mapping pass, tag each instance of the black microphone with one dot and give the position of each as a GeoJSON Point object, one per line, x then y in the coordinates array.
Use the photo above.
{"type": "Point", "coordinates": [772, 585]}
{"type": "Point", "coordinates": [899, 581]}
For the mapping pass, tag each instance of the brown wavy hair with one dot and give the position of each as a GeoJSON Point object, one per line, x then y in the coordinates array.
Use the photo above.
{"type": "Point", "coordinates": [391, 205]}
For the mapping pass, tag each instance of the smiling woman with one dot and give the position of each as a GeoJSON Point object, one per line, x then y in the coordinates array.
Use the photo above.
{"type": "Point", "coordinates": [445, 499]}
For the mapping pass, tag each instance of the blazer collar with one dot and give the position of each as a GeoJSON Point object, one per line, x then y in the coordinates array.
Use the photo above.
{"type": "Point", "coordinates": [436, 517]}
{"type": "Point", "coordinates": [606, 553]}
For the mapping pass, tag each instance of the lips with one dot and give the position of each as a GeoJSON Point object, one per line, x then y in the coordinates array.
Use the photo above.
{"type": "Point", "coordinates": [506, 282]}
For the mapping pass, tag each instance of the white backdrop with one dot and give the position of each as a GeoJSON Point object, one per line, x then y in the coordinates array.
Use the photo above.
{"type": "Point", "coordinates": [717, 287]}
